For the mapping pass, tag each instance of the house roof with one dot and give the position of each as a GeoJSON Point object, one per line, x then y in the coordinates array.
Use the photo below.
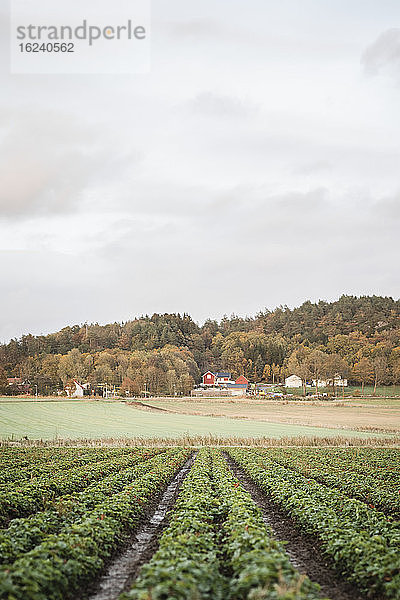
{"type": "Point", "coordinates": [242, 379]}
{"type": "Point", "coordinates": [240, 386]}
{"type": "Point", "coordinates": [222, 374]}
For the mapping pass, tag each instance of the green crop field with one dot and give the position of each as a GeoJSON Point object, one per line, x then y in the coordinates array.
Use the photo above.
{"type": "Point", "coordinates": [207, 524]}
{"type": "Point", "coordinates": [88, 419]}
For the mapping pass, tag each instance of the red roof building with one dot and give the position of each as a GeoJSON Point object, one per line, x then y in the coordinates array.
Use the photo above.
{"type": "Point", "coordinates": [208, 378]}
{"type": "Point", "coordinates": [242, 380]}
{"type": "Point", "coordinates": [219, 378]}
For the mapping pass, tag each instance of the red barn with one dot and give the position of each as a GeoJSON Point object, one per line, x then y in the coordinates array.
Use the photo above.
{"type": "Point", "coordinates": [242, 380]}
{"type": "Point", "coordinates": [208, 378]}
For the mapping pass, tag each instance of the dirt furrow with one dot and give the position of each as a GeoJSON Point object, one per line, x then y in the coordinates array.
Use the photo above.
{"type": "Point", "coordinates": [304, 551]}
{"type": "Point", "coordinates": [125, 567]}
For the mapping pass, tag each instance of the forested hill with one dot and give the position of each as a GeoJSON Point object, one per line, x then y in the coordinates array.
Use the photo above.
{"type": "Point", "coordinates": [317, 322]}
{"type": "Point", "coordinates": [352, 328]}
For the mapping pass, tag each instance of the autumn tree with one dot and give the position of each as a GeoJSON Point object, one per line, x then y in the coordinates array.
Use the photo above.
{"type": "Point", "coordinates": [4, 389]}
{"type": "Point", "coordinates": [298, 364]}
{"type": "Point", "coordinates": [127, 387]}
{"type": "Point", "coordinates": [335, 366]}
{"type": "Point", "coordinates": [172, 382]}
{"type": "Point", "coordinates": [186, 384]}
{"type": "Point", "coordinates": [316, 363]}
{"type": "Point", "coordinates": [71, 366]}
{"type": "Point", "coordinates": [276, 372]}
{"type": "Point", "coordinates": [363, 371]}
{"type": "Point", "coordinates": [267, 372]}
{"type": "Point", "coordinates": [380, 365]}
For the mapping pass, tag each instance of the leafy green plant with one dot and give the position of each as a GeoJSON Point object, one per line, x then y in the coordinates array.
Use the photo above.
{"type": "Point", "coordinates": [58, 567]}
{"type": "Point", "coordinates": [363, 542]}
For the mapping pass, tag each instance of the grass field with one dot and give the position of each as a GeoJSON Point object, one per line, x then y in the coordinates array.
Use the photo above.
{"type": "Point", "coordinates": [86, 419]}
{"type": "Point", "coordinates": [374, 415]}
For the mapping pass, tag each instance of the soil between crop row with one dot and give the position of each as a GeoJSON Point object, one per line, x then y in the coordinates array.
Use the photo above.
{"type": "Point", "coordinates": [125, 566]}
{"type": "Point", "coordinates": [304, 551]}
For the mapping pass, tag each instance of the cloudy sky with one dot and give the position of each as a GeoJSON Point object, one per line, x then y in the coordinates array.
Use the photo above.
{"type": "Point", "coordinates": [256, 164]}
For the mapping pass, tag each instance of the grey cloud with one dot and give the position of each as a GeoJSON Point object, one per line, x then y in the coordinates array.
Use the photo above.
{"type": "Point", "coordinates": [252, 208]}
{"type": "Point", "coordinates": [388, 208]}
{"type": "Point", "coordinates": [312, 167]}
{"type": "Point", "coordinates": [49, 160]}
{"type": "Point", "coordinates": [384, 54]}
{"type": "Point", "coordinates": [302, 202]}
{"type": "Point", "coordinates": [201, 27]}
{"type": "Point", "coordinates": [217, 105]}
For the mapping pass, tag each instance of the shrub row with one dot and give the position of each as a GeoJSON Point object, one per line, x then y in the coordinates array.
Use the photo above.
{"type": "Point", "coordinates": [259, 566]}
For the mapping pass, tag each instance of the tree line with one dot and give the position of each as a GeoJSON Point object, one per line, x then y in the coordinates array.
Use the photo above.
{"type": "Point", "coordinates": [355, 337]}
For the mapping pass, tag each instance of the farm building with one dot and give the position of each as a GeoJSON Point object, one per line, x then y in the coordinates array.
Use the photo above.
{"type": "Point", "coordinates": [76, 389]}
{"type": "Point", "coordinates": [219, 378]}
{"type": "Point", "coordinates": [17, 385]}
{"type": "Point", "coordinates": [239, 388]}
{"type": "Point", "coordinates": [208, 378]}
{"type": "Point", "coordinates": [223, 380]}
{"type": "Point", "coordinates": [293, 381]}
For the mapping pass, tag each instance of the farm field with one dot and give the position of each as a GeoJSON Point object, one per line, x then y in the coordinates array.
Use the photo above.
{"type": "Point", "coordinates": [389, 391]}
{"type": "Point", "coordinates": [212, 524]}
{"type": "Point", "coordinates": [85, 419]}
{"type": "Point", "coordinates": [375, 414]}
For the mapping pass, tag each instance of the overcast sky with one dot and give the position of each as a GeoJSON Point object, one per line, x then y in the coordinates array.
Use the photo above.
{"type": "Point", "coordinates": [256, 165]}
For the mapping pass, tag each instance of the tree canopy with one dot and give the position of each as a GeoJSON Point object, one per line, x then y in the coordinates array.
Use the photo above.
{"type": "Point", "coordinates": [168, 352]}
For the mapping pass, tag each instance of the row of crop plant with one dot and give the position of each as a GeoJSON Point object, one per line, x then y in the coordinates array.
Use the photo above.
{"type": "Point", "coordinates": [27, 497]}
{"type": "Point", "coordinates": [63, 562]}
{"type": "Point", "coordinates": [378, 487]}
{"type": "Point", "coordinates": [37, 465]}
{"type": "Point", "coordinates": [217, 546]}
{"type": "Point", "coordinates": [23, 534]}
{"type": "Point", "coordinates": [363, 542]}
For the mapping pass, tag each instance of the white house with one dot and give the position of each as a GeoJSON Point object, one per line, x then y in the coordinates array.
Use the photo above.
{"type": "Point", "coordinates": [74, 389]}
{"type": "Point", "coordinates": [293, 381]}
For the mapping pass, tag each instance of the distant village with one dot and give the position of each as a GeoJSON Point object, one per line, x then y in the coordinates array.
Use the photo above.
{"type": "Point", "coordinates": [212, 384]}
{"type": "Point", "coordinates": [221, 384]}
